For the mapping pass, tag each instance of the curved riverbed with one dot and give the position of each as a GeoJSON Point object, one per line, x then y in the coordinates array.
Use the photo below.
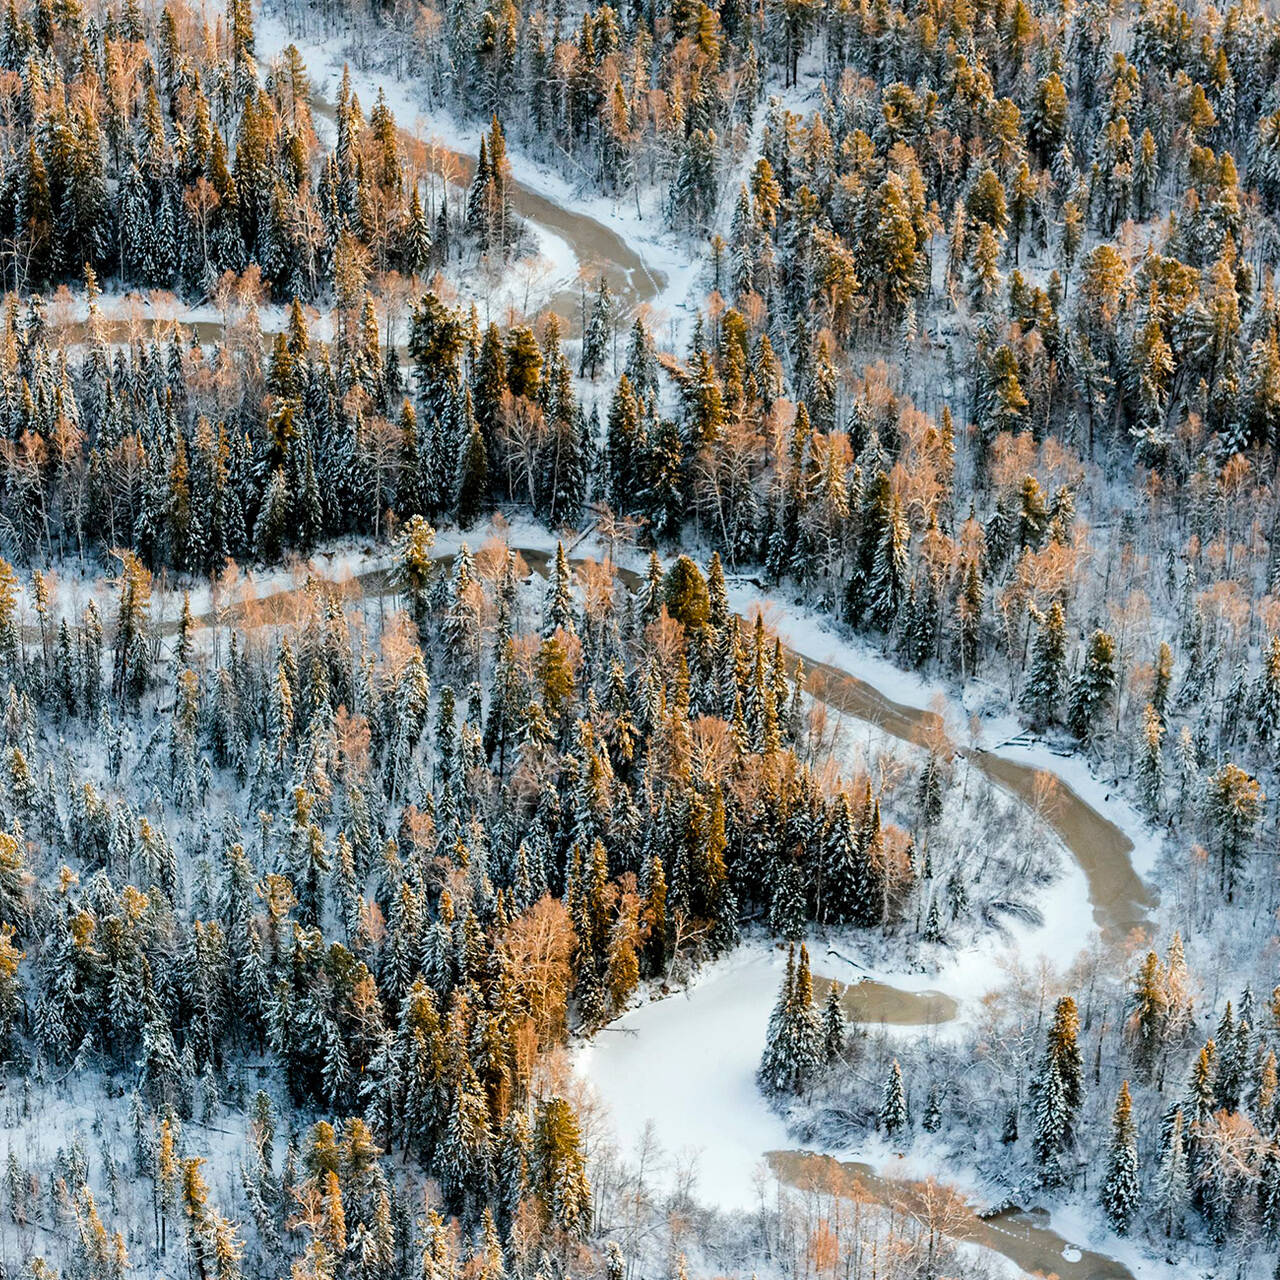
{"type": "Point", "coordinates": [1120, 901]}
{"type": "Point", "coordinates": [598, 248]}
{"type": "Point", "coordinates": [687, 1063]}
{"type": "Point", "coordinates": [872, 1001]}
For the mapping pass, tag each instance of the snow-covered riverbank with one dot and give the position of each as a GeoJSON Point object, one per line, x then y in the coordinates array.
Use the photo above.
{"type": "Point", "coordinates": [681, 1072]}
{"type": "Point", "coordinates": [648, 265]}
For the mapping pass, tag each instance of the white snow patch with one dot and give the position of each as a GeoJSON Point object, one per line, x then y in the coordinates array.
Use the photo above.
{"type": "Point", "coordinates": [686, 1065]}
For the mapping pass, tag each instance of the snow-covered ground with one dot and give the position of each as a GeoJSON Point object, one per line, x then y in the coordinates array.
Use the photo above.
{"type": "Point", "coordinates": [683, 1068]}
{"type": "Point", "coordinates": [681, 1071]}
{"type": "Point", "coordinates": [965, 975]}
{"type": "Point", "coordinates": [687, 1065]}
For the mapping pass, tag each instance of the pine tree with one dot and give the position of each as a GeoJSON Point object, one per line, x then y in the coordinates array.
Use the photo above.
{"type": "Point", "coordinates": [1200, 1100]}
{"type": "Point", "coordinates": [654, 915]}
{"type": "Point", "coordinates": [1058, 1092]}
{"type": "Point", "coordinates": [1046, 676]}
{"type": "Point", "coordinates": [1268, 1192]}
{"type": "Point", "coordinates": [1121, 1191]}
{"type": "Point", "coordinates": [664, 481]}
{"type": "Point", "coordinates": [1265, 710]}
{"type": "Point", "coordinates": [793, 1049]}
{"type": "Point", "coordinates": [559, 1167]}
{"type": "Point", "coordinates": [868, 904]}
{"type": "Point", "coordinates": [833, 1025]}
{"type": "Point", "coordinates": [786, 904]}
{"type": "Point", "coordinates": [1173, 1192]}
{"type": "Point", "coordinates": [1062, 1044]}
{"type": "Point", "coordinates": [1150, 760]}
{"type": "Point", "coordinates": [693, 194]}
{"type": "Point", "coordinates": [890, 570]}
{"type": "Point", "coordinates": [892, 1117]}
{"type": "Point", "coordinates": [471, 477]}
{"type": "Point", "coordinates": [615, 1265]}
{"type": "Point", "coordinates": [1092, 688]}
{"type": "Point", "coordinates": [1232, 808]}
{"type": "Point", "coordinates": [624, 448]}
{"type": "Point", "coordinates": [933, 929]}
{"type": "Point", "coordinates": [414, 566]}
{"type": "Point", "coordinates": [985, 278]}
{"type": "Point", "coordinates": [684, 592]}
{"type": "Point", "coordinates": [895, 264]}
{"type": "Point", "coordinates": [968, 619]}
{"type": "Point", "coordinates": [840, 883]}
{"type": "Point", "coordinates": [415, 237]}
{"type": "Point", "coordinates": [1232, 1060]}
{"type": "Point", "coordinates": [597, 331]}
{"type": "Point", "coordinates": [271, 527]}
{"type": "Point", "coordinates": [465, 1148]}
{"type": "Point", "coordinates": [932, 1120]}
{"type": "Point", "coordinates": [1149, 1011]}
{"type": "Point", "coordinates": [558, 612]}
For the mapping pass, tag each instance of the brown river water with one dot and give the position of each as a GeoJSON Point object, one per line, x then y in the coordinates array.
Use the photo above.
{"type": "Point", "coordinates": [870, 1001]}
{"type": "Point", "coordinates": [597, 247]}
{"type": "Point", "coordinates": [1024, 1237]}
{"type": "Point", "coordinates": [1118, 899]}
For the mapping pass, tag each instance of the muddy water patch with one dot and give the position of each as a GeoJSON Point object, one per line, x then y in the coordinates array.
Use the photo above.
{"type": "Point", "coordinates": [1024, 1237]}
{"type": "Point", "coordinates": [870, 1002]}
{"type": "Point", "coordinates": [1119, 900]}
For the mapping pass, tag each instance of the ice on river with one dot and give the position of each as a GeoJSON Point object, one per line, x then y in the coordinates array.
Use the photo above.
{"type": "Point", "coordinates": [687, 1065]}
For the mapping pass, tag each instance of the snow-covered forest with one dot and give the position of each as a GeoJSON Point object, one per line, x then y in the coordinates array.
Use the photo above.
{"type": "Point", "coordinates": [639, 642]}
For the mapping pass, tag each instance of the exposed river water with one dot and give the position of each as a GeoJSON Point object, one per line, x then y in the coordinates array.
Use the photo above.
{"type": "Point", "coordinates": [1024, 1237]}
{"type": "Point", "coordinates": [1117, 896]}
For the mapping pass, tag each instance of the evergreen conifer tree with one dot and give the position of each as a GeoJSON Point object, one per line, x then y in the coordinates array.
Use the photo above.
{"type": "Point", "coordinates": [793, 1049]}
{"type": "Point", "coordinates": [892, 1117]}
{"type": "Point", "coordinates": [1092, 687]}
{"type": "Point", "coordinates": [1121, 1191]}
{"type": "Point", "coordinates": [833, 1025]}
{"type": "Point", "coordinates": [1172, 1187]}
{"type": "Point", "coordinates": [1046, 677]}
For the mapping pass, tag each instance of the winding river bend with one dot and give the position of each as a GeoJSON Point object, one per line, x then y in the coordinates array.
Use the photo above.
{"type": "Point", "coordinates": [720, 1089]}
{"type": "Point", "coordinates": [1022, 1236]}
{"type": "Point", "coordinates": [597, 247]}
{"type": "Point", "coordinates": [1118, 898]}
{"type": "Point", "coordinates": [1120, 901]}
{"type": "Point", "coordinates": [720, 1092]}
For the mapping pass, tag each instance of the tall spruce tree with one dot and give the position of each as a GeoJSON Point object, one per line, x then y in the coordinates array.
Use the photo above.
{"type": "Point", "coordinates": [1121, 1190]}
{"type": "Point", "coordinates": [793, 1048]}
